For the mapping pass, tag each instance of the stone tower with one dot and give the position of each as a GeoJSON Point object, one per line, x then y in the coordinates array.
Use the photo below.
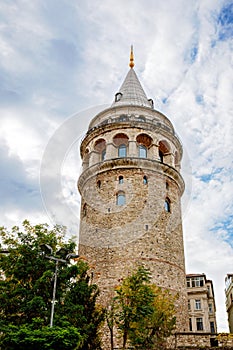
{"type": "Point", "coordinates": [131, 190]}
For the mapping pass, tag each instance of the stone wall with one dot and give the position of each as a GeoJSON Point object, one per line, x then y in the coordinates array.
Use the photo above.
{"type": "Point", "coordinates": [115, 239]}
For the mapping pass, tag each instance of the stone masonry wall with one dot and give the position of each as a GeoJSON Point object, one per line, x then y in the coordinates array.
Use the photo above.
{"type": "Point", "coordinates": [115, 239]}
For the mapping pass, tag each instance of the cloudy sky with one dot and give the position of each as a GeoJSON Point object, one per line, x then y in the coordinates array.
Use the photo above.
{"type": "Point", "coordinates": [63, 61]}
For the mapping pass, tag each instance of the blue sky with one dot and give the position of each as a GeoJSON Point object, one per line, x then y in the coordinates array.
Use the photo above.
{"type": "Point", "coordinates": [63, 61]}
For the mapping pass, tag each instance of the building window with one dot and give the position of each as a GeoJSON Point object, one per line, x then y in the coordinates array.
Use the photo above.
{"type": "Point", "coordinates": [118, 96]}
{"type": "Point", "coordinates": [98, 183]}
{"type": "Point", "coordinates": [190, 325]}
{"type": "Point", "coordinates": [210, 308]}
{"type": "Point", "coordinates": [145, 181]}
{"type": "Point", "coordinates": [121, 180]}
{"type": "Point", "coordinates": [100, 147]}
{"type": "Point", "coordinates": [120, 198]}
{"type": "Point", "coordinates": [123, 118]}
{"type": "Point", "coordinates": [167, 186]}
{"type": "Point", "coordinates": [198, 304]}
{"type": "Point", "coordinates": [103, 154]}
{"type": "Point", "coordinates": [199, 324]}
{"type": "Point", "coordinates": [122, 151]}
{"type": "Point", "coordinates": [121, 141]}
{"type": "Point", "coordinates": [161, 156]}
{"type": "Point", "coordinates": [189, 305]}
{"type": "Point", "coordinates": [212, 327]}
{"type": "Point", "coordinates": [84, 210]}
{"type": "Point", "coordinates": [151, 102]}
{"type": "Point", "coordinates": [195, 282]}
{"type": "Point", "coordinates": [144, 142]}
{"type": "Point", "coordinates": [142, 151]}
{"type": "Point", "coordinates": [167, 205]}
{"type": "Point", "coordinates": [164, 149]}
{"type": "Point", "coordinates": [141, 118]}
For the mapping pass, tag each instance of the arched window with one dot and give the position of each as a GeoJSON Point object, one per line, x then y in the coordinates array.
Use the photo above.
{"type": "Point", "coordinates": [145, 181]}
{"type": "Point", "coordinates": [118, 96]}
{"type": "Point", "coordinates": [122, 151]}
{"type": "Point", "coordinates": [164, 149]}
{"type": "Point", "coordinates": [121, 142]}
{"type": "Point", "coordinates": [100, 147]}
{"type": "Point", "coordinates": [120, 198]}
{"type": "Point", "coordinates": [144, 142]}
{"type": "Point", "coordinates": [121, 179]}
{"type": "Point", "coordinates": [167, 205]}
{"type": "Point", "coordinates": [142, 151]}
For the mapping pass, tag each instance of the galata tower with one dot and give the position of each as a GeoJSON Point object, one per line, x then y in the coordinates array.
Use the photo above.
{"type": "Point", "coordinates": [131, 190]}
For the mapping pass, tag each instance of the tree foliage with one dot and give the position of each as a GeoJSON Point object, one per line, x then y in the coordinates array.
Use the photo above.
{"type": "Point", "coordinates": [26, 286]}
{"type": "Point", "coordinates": [144, 313]}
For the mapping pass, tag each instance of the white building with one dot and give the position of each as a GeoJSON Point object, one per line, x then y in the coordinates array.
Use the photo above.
{"type": "Point", "coordinates": [201, 304]}
{"type": "Point", "coordinates": [229, 299]}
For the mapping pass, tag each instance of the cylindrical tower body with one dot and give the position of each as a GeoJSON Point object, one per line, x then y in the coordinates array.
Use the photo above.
{"type": "Point", "coordinates": [131, 190]}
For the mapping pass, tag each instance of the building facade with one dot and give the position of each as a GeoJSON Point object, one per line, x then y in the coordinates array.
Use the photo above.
{"type": "Point", "coordinates": [201, 304]}
{"type": "Point", "coordinates": [229, 299]}
{"type": "Point", "coordinates": [131, 190]}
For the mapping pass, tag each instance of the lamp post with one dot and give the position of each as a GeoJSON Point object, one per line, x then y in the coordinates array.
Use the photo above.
{"type": "Point", "coordinates": [48, 250]}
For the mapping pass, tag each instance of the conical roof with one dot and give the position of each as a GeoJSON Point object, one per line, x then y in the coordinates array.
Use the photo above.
{"type": "Point", "coordinates": [131, 92]}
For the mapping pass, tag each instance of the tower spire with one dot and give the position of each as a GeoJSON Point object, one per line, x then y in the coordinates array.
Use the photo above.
{"type": "Point", "coordinates": [131, 60]}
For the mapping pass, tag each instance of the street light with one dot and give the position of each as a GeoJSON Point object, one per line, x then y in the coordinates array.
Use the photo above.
{"type": "Point", "coordinates": [48, 250]}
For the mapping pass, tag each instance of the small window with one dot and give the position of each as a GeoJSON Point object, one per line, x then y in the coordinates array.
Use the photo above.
{"type": "Point", "coordinates": [210, 308]}
{"type": "Point", "coordinates": [212, 327]}
{"type": "Point", "coordinates": [167, 186]}
{"type": "Point", "coordinates": [145, 181]}
{"type": "Point", "coordinates": [121, 198]}
{"type": "Point", "coordinates": [98, 183]}
{"type": "Point", "coordinates": [141, 118]}
{"type": "Point", "coordinates": [198, 304]}
{"type": "Point", "coordinates": [199, 324]}
{"type": "Point", "coordinates": [122, 151]}
{"type": "Point", "coordinates": [142, 151]}
{"type": "Point", "coordinates": [197, 281]}
{"type": "Point", "coordinates": [84, 210]}
{"type": "Point", "coordinates": [100, 147]}
{"type": "Point", "coordinates": [151, 102]}
{"type": "Point", "coordinates": [123, 118]}
{"type": "Point", "coordinates": [161, 156]}
{"type": "Point", "coordinates": [121, 180]}
{"type": "Point", "coordinates": [118, 96]}
{"type": "Point", "coordinates": [189, 305]}
{"type": "Point", "coordinates": [190, 325]}
{"type": "Point", "coordinates": [103, 154]}
{"type": "Point", "coordinates": [167, 205]}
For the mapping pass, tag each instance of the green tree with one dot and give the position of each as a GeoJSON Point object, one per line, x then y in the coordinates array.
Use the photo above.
{"type": "Point", "coordinates": [26, 286]}
{"type": "Point", "coordinates": [144, 313]}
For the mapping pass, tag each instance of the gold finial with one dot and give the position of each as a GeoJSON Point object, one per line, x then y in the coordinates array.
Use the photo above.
{"type": "Point", "coordinates": [131, 60]}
